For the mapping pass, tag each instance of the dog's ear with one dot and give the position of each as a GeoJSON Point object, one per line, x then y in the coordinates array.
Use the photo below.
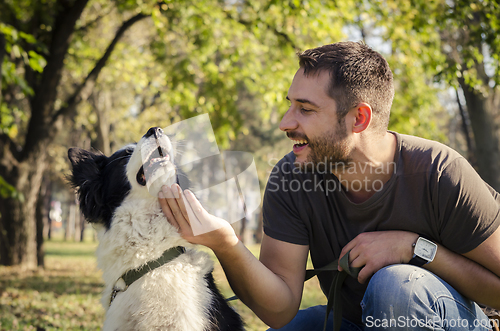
{"type": "Point", "coordinates": [85, 165]}
{"type": "Point", "coordinates": [86, 179]}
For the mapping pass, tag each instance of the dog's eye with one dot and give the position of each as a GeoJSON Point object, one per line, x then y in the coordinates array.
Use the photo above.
{"type": "Point", "coordinates": [141, 178]}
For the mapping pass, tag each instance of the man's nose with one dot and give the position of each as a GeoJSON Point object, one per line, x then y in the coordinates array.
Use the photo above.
{"type": "Point", "coordinates": [288, 122]}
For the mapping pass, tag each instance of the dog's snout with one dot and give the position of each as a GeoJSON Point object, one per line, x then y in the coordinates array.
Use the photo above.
{"type": "Point", "coordinates": [155, 131]}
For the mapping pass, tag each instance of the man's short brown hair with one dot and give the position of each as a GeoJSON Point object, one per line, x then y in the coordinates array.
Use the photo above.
{"type": "Point", "coordinates": [357, 74]}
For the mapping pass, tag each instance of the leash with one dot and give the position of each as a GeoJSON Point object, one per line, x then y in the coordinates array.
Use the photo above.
{"type": "Point", "coordinates": [334, 302]}
{"type": "Point", "coordinates": [132, 275]}
{"type": "Point", "coordinates": [334, 295]}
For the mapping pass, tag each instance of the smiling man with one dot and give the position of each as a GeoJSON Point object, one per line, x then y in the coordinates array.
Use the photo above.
{"type": "Point", "coordinates": [415, 216]}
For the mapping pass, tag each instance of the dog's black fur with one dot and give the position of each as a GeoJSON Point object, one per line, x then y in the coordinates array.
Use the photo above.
{"type": "Point", "coordinates": [101, 182]}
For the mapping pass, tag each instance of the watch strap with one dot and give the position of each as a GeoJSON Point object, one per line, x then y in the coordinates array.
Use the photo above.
{"type": "Point", "coordinates": [417, 261]}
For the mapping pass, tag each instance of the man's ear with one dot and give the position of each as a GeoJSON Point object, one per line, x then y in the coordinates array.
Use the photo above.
{"type": "Point", "coordinates": [363, 115]}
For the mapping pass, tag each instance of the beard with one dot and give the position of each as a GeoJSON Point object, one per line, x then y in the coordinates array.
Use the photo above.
{"type": "Point", "coordinates": [328, 153]}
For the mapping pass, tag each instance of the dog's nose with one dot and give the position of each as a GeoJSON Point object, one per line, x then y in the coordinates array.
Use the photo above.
{"type": "Point", "coordinates": [155, 131]}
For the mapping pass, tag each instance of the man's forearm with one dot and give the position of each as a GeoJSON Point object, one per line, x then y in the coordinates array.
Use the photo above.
{"type": "Point", "coordinates": [375, 250]}
{"type": "Point", "coordinates": [259, 288]}
{"type": "Point", "coordinates": [467, 277]}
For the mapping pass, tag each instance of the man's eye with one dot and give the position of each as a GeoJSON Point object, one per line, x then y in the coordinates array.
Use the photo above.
{"type": "Point", "coordinates": [304, 110]}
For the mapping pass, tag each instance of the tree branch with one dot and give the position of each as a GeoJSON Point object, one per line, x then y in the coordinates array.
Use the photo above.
{"type": "Point", "coordinates": [248, 24]}
{"type": "Point", "coordinates": [85, 87]}
{"type": "Point", "coordinates": [90, 24]}
{"type": "Point", "coordinates": [42, 103]}
{"type": "Point", "coordinates": [9, 150]}
{"type": "Point", "coordinates": [465, 129]}
{"type": "Point", "coordinates": [145, 105]}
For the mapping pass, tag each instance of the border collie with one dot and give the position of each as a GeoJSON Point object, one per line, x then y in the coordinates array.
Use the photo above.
{"type": "Point", "coordinates": [115, 195]}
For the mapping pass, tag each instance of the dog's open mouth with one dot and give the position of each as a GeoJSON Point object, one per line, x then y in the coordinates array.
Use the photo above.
{"type": "Point", "coordinates": [152, 165]}
{"type": "Point", "coordinates": [156, 160]}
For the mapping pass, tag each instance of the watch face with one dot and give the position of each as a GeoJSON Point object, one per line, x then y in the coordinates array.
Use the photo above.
{"type": "Point", "coordinates": [426, 249]}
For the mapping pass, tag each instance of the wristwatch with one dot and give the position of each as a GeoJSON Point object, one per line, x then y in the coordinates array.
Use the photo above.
{"type": "Point", "coordinates": [424, 252]}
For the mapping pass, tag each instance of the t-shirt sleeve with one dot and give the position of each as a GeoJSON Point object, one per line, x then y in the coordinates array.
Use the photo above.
{"type": "Point", "coordinates": [468, 210]}
{"type": "Point", "coordinates": [280, 214]}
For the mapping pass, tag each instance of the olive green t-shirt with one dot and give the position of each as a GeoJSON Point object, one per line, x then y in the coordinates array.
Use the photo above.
{"type": "Point", "coordinates": [433, 191]}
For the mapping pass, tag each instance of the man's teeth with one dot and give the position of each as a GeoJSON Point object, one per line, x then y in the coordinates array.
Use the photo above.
{"type": "Point", "coordinates": [299, 142]}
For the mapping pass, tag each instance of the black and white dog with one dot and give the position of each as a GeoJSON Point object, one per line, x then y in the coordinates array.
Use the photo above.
{"type": "Point", "coordinates": [178, 293]}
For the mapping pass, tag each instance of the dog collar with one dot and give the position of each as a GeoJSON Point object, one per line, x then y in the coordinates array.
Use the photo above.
{"type": "Point", "coordinates": [134, 274]}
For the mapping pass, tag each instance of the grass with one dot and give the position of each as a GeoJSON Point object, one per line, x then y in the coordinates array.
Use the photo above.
{"type": "Point", "coordinates": [63, 296]}
{"type": "Point", "coordinates": [66, 294]}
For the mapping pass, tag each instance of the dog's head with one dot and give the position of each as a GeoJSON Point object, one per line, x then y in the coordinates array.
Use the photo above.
{"type": "Point", "coordinates": [103, 182]}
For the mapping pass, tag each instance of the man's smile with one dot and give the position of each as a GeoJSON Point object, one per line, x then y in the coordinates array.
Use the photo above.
{"type": "Point", "coordinates": [299, 145]}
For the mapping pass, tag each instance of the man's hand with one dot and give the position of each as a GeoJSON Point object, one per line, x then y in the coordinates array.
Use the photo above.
{"type": "Point", "coordinates": [376, 250]}
{"type": "Point", "coordinates": [193, 222]}
{"type": "Point", "coordinates": [275, 299]}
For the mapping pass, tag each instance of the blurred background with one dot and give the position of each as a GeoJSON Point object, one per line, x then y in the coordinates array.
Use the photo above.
{"type": "Point", "coordinates": [99, 73]}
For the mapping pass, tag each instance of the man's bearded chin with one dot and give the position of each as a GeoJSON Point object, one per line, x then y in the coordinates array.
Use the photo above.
{"type": "Point", "coordinates": [326, 155]}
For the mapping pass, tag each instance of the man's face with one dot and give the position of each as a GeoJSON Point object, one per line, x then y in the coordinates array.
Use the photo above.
{"type": "Point", "coordinates": [312, 124]}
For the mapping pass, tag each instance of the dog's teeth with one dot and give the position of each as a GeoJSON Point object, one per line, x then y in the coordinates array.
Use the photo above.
{"type": "Point", "coordinates": [159, 159]}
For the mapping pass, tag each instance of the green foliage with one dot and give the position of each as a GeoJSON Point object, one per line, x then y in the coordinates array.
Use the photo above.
{"type": "Point", "coordinates": [198, 57]}
{"type": "Point", "coordinates": [9, 119]}
{"type": "Point", "coordinates": [234, 60]}
{"type": "Point", "coordinates": [410, 44]}
{"type": "Point", "coordinates": [16, 44]}
{"type": "Point", "coordinates": [472, 38]}
{"type": "Point", "coordinates": [14, 47]}
{"type": "Point", "coordinates": [224, 58]}
{"type": "Point", "coordinates": [451, 38]}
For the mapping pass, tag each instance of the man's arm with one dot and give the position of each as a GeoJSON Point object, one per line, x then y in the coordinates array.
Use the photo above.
{"type": "Point", "coordinates": [475, 274]}
{"type": "Point", "coordinates": [485, 281]}
{"type": "Point", "coordinates": [272, 287]}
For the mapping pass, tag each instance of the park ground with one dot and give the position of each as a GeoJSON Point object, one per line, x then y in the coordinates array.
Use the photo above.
{"type": "Point", "coordinates": [65, 295]}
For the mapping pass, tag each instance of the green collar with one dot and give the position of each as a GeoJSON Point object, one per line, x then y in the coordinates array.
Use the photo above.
{"type": "Point", "coordinates": [132, 275]}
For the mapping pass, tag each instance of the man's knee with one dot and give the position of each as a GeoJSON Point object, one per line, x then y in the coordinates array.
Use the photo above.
{"type": "Point", "coordinates": [395, 286]}
{"type": "Point", "coordinates": [403, 294]}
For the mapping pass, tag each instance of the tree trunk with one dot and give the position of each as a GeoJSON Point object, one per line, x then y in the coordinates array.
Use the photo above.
{"type": "Point", "coordinates": [2, 54]}
{"type": "Point", "coordinates": [77, 230]}
{"type": "Point", "coordinates": [42, 215]}
{"type": "Point", "coordinates": [101, 102]}
{"type": "Point", "coordinates": [471, 151]}
{"type": "Point", "coordinates": [23, 166]}
{"type": "Point", "coordinates": [482, 114]}
{"type": "Point", "coordinates": [18, 244]}
{"type": "Point", "coordinates": [70, 222]}
{"type": "Point", "coordinates": [47, 222]}
{"type": "Point", "coordinates": [82, 227]}
{"type": "Point", "coordinates": [24, 169]}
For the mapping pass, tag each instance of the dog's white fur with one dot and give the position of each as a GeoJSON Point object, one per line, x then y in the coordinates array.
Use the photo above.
{"type": "Point", "coordinates": [171, 297]}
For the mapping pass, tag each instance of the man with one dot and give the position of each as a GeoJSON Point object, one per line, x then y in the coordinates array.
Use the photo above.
{"type": "Point", "coordinates": [352, 186]}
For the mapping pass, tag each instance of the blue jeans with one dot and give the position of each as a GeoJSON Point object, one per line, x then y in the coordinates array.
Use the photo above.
{"type": "Point", "coordinates": [403, 297]}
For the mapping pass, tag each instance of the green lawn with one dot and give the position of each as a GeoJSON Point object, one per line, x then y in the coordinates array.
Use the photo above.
{"type": "Point", "coordinates": [65, 295]}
